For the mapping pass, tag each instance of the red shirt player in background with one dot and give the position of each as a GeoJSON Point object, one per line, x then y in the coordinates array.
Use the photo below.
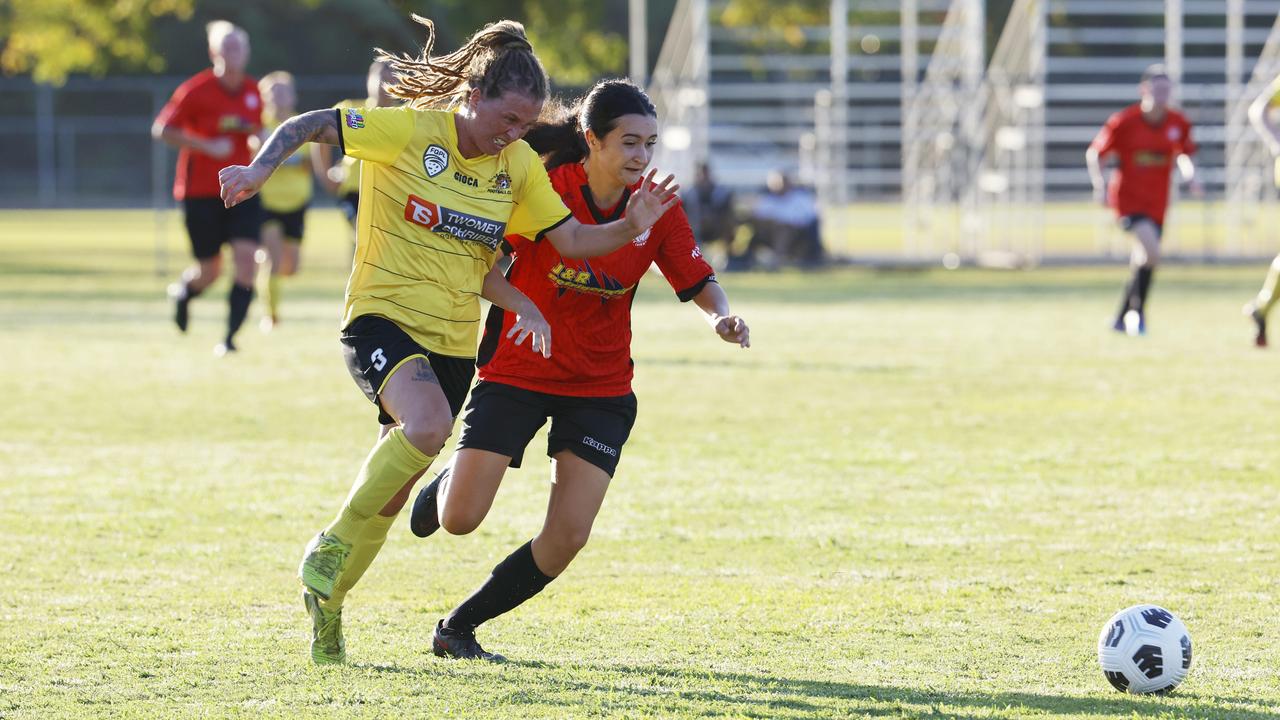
{"type": "Point", "coordinates": [210, 119]}
{"type": "Point", "coordinates": [595, 157]}
{"type": "Point", "coordinates": [1148, 139]}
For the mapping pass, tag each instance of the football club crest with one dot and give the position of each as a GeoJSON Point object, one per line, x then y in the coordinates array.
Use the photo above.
{"type": "Point", "coordinates": [500, 183]}
{"type": "Point", "coordinates": [435, 159]}
{"type": "Point", "coordinates": [1174, 134]}
{"type": "Point", "coordinates": [251, 100]}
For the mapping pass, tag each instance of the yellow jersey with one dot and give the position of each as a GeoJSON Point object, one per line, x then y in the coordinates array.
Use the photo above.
{"type": "Point", "coordinates": [289, 187]}
{"type": "Point", "coordinates": [431, 222]}
{"type": "Point", "coordinates": [351, 179]}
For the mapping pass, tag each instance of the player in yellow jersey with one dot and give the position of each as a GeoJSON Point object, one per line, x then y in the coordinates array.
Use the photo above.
{"type": "Point", "coordinates": [342, 178]}
{"type": "Point", "coordinates": [285, 196]}
{"type": "Point", "coordinates": [443, 180]}
{"type": "Point", "coordinates": [1260, 116]}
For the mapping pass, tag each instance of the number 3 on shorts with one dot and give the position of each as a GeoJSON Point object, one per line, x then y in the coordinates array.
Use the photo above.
{"type": "Point", "coordinates": [379, 360]}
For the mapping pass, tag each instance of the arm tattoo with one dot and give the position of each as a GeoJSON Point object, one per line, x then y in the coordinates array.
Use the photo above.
{"type": "Point", "coordinates": [422, 372]}
{"type": "Point", "coordinates": [315, 126]}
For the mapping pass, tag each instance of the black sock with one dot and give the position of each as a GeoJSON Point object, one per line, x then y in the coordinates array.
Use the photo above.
{"type": "Point", "coordinates": [514, 580]}
{"type": "Point", "coordinates": [239, 300]}
{"type": "Point", "coordinates": [1142, 283]}
{"type": "Point", "coordinates": [1126, 299]}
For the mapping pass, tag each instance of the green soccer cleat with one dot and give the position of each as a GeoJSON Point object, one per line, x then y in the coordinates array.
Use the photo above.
{"type": "Point", "coordinates": [327, 645]}
{"type": "Point", "coordinates": [322, 563]}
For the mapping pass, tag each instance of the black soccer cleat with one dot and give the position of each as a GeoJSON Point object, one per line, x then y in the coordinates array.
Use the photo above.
{"type": "Point", "coordinates": [424, 520]}
{"type": "Point", "coordinates": [460, 644]}
{"type": "Point", "coordinates": [181, 300]}
{"type": "Point", "coordinates": [1260, 322]}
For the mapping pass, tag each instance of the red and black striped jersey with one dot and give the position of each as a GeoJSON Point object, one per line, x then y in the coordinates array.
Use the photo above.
{"type": "Point", "coordinates": [587, 302]}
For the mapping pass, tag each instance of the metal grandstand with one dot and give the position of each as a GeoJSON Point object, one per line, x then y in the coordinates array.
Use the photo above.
{"type": "Point", "coordinates": [972, 133]}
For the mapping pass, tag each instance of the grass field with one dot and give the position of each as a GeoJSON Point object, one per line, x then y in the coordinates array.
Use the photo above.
{"type": "Point", "coordinates": [918, 495]}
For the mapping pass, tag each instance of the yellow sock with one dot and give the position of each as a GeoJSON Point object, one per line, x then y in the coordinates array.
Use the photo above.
{"type": "Point", "coordinates": [1267, 296]}
{"type": "Point", "coordinates": [393, 461]}
{"type": "Point", "coordinates": [273, 295]}
{"type": "Point", "coordinates": [363, 551]}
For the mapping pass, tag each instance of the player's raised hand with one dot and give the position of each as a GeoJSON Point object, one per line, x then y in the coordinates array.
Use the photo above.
{"type": "Point", "coordinates": [241, 182]}
{"type": "Point", "coordinates": [531, 324]}
{"type": "Point", "coordinates": [651, 200]}
{"type": "Point", "coordinates": [732, 328]}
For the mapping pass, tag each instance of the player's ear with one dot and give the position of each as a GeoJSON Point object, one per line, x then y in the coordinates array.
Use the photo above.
{"type": "Point", "coordinates": [592, 141]}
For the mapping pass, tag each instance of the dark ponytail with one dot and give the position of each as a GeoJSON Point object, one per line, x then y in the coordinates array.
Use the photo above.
{"type": "Point", "coordinates": [561, 137]}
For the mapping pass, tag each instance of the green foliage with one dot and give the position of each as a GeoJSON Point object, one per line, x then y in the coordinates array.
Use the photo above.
{"type": "Point", "coordinates": [578, 40]}
{"type": "Point", "coordinates": [917, 496]}
{"type": "Point", "coordinates": [53, 38]}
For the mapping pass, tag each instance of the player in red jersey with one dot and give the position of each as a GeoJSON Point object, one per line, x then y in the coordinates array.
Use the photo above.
{"type": "Point", "coordinates": [210, 119]}
{"type": "Point", "coordinates": [1147, 138]}
{"type": "Point", "coordinates": [596, 157]}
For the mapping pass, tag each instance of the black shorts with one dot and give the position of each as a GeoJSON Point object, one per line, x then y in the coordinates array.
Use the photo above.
{"type": "Point", "coordinates": [374, 347]}
{"type": "Point", "coordinates": [502, 419]}
{"type": "Point", "coordinates": [210, 223]}
{"type": "Point", "coordinates": [350, 204]}
{"type": "Point", "coordinates": [1128, 222]}
{"type": "Point", "coordinates": [292, 223]}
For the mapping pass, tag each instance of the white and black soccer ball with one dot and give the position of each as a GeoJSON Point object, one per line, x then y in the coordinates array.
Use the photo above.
{"type": "Point", "coordinates": [1144, 649]}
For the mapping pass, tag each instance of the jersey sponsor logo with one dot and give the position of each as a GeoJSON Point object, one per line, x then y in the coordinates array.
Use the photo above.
{"type": "Point", "coordinates": [447, 221]}
{"type": "Point", "coordinates": [597, 445]}
{"type": "Point", "coordinates": [466, 179]}
{"type": "Point", "coordinates": [642, 238]}
{"type": "Point", "coordinates": [1150, 158]}
{"type": "Point", "coordinates": [234, 124]}
{"type": "Point", "coordinates": [434, 160]}
{"type": "Point", "coordinates": [500, 183]}
{"type": "Point", "coordinates": [354, 118]}
{"type": "Point", "coordinates": [586, 280]}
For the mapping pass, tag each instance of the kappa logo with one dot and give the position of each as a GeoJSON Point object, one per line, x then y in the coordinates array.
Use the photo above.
{"type": "Point", "coordinates": [460, 225]}
{"type": "Point", "coordinates": [642, 238]}
{"type": "Point", "coordinates": [596, 444]}
{"type": "Point", "coordinates": [435, 159]}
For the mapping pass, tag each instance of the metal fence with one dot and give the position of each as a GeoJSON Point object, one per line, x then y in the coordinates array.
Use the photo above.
{"type": "Point", "coordinates": [88, 143]}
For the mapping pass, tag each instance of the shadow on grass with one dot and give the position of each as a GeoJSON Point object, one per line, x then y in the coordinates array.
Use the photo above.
{"type": "Point", "coordinates": [769, 696]}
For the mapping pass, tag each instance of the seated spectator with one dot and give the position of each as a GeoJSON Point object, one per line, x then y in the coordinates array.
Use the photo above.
{"type": "Point", "coordinates": [711, 215]}
{"type": "Point", "coordinates": [785, 225]}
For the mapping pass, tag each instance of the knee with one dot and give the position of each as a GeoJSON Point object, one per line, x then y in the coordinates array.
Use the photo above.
{"type": "Point", "coordinates": [428, 435]}
{"type": "Point", "coordinates": [457, 520]}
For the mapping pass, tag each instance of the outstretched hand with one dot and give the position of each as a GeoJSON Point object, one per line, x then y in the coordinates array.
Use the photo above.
{"type": "Point", "coordinates": [240, 182]}
{"type": "Point", "coordinates": [650, 201]}
{"type": "Point", "coordinates": [732, 328]}
{"type": "Point", "coordinates": [532, 325]}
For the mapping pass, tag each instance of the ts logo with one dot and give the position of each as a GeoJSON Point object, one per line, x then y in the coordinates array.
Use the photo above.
{"type": "Point", "coordinates": [421, 212]}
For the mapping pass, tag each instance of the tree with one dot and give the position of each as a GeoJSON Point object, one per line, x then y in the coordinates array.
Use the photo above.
{"type": "Point", "coordinates": [54, 38]}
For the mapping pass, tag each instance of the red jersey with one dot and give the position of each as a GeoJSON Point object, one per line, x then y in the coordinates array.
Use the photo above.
{"type": "Point", "coordinates": [1147, 154]}
{"type": "Point", "coordinates": [202, 107]}
{"type": "Point", "coordinates": [587, 302]}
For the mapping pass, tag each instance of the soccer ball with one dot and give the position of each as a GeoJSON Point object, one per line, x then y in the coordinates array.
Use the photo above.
{"type": "Point", "coordinates": [1144, 649]}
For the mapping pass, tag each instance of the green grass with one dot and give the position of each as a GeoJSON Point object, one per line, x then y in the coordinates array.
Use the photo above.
{"type": "Point", "coordinates": [918, 495]}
